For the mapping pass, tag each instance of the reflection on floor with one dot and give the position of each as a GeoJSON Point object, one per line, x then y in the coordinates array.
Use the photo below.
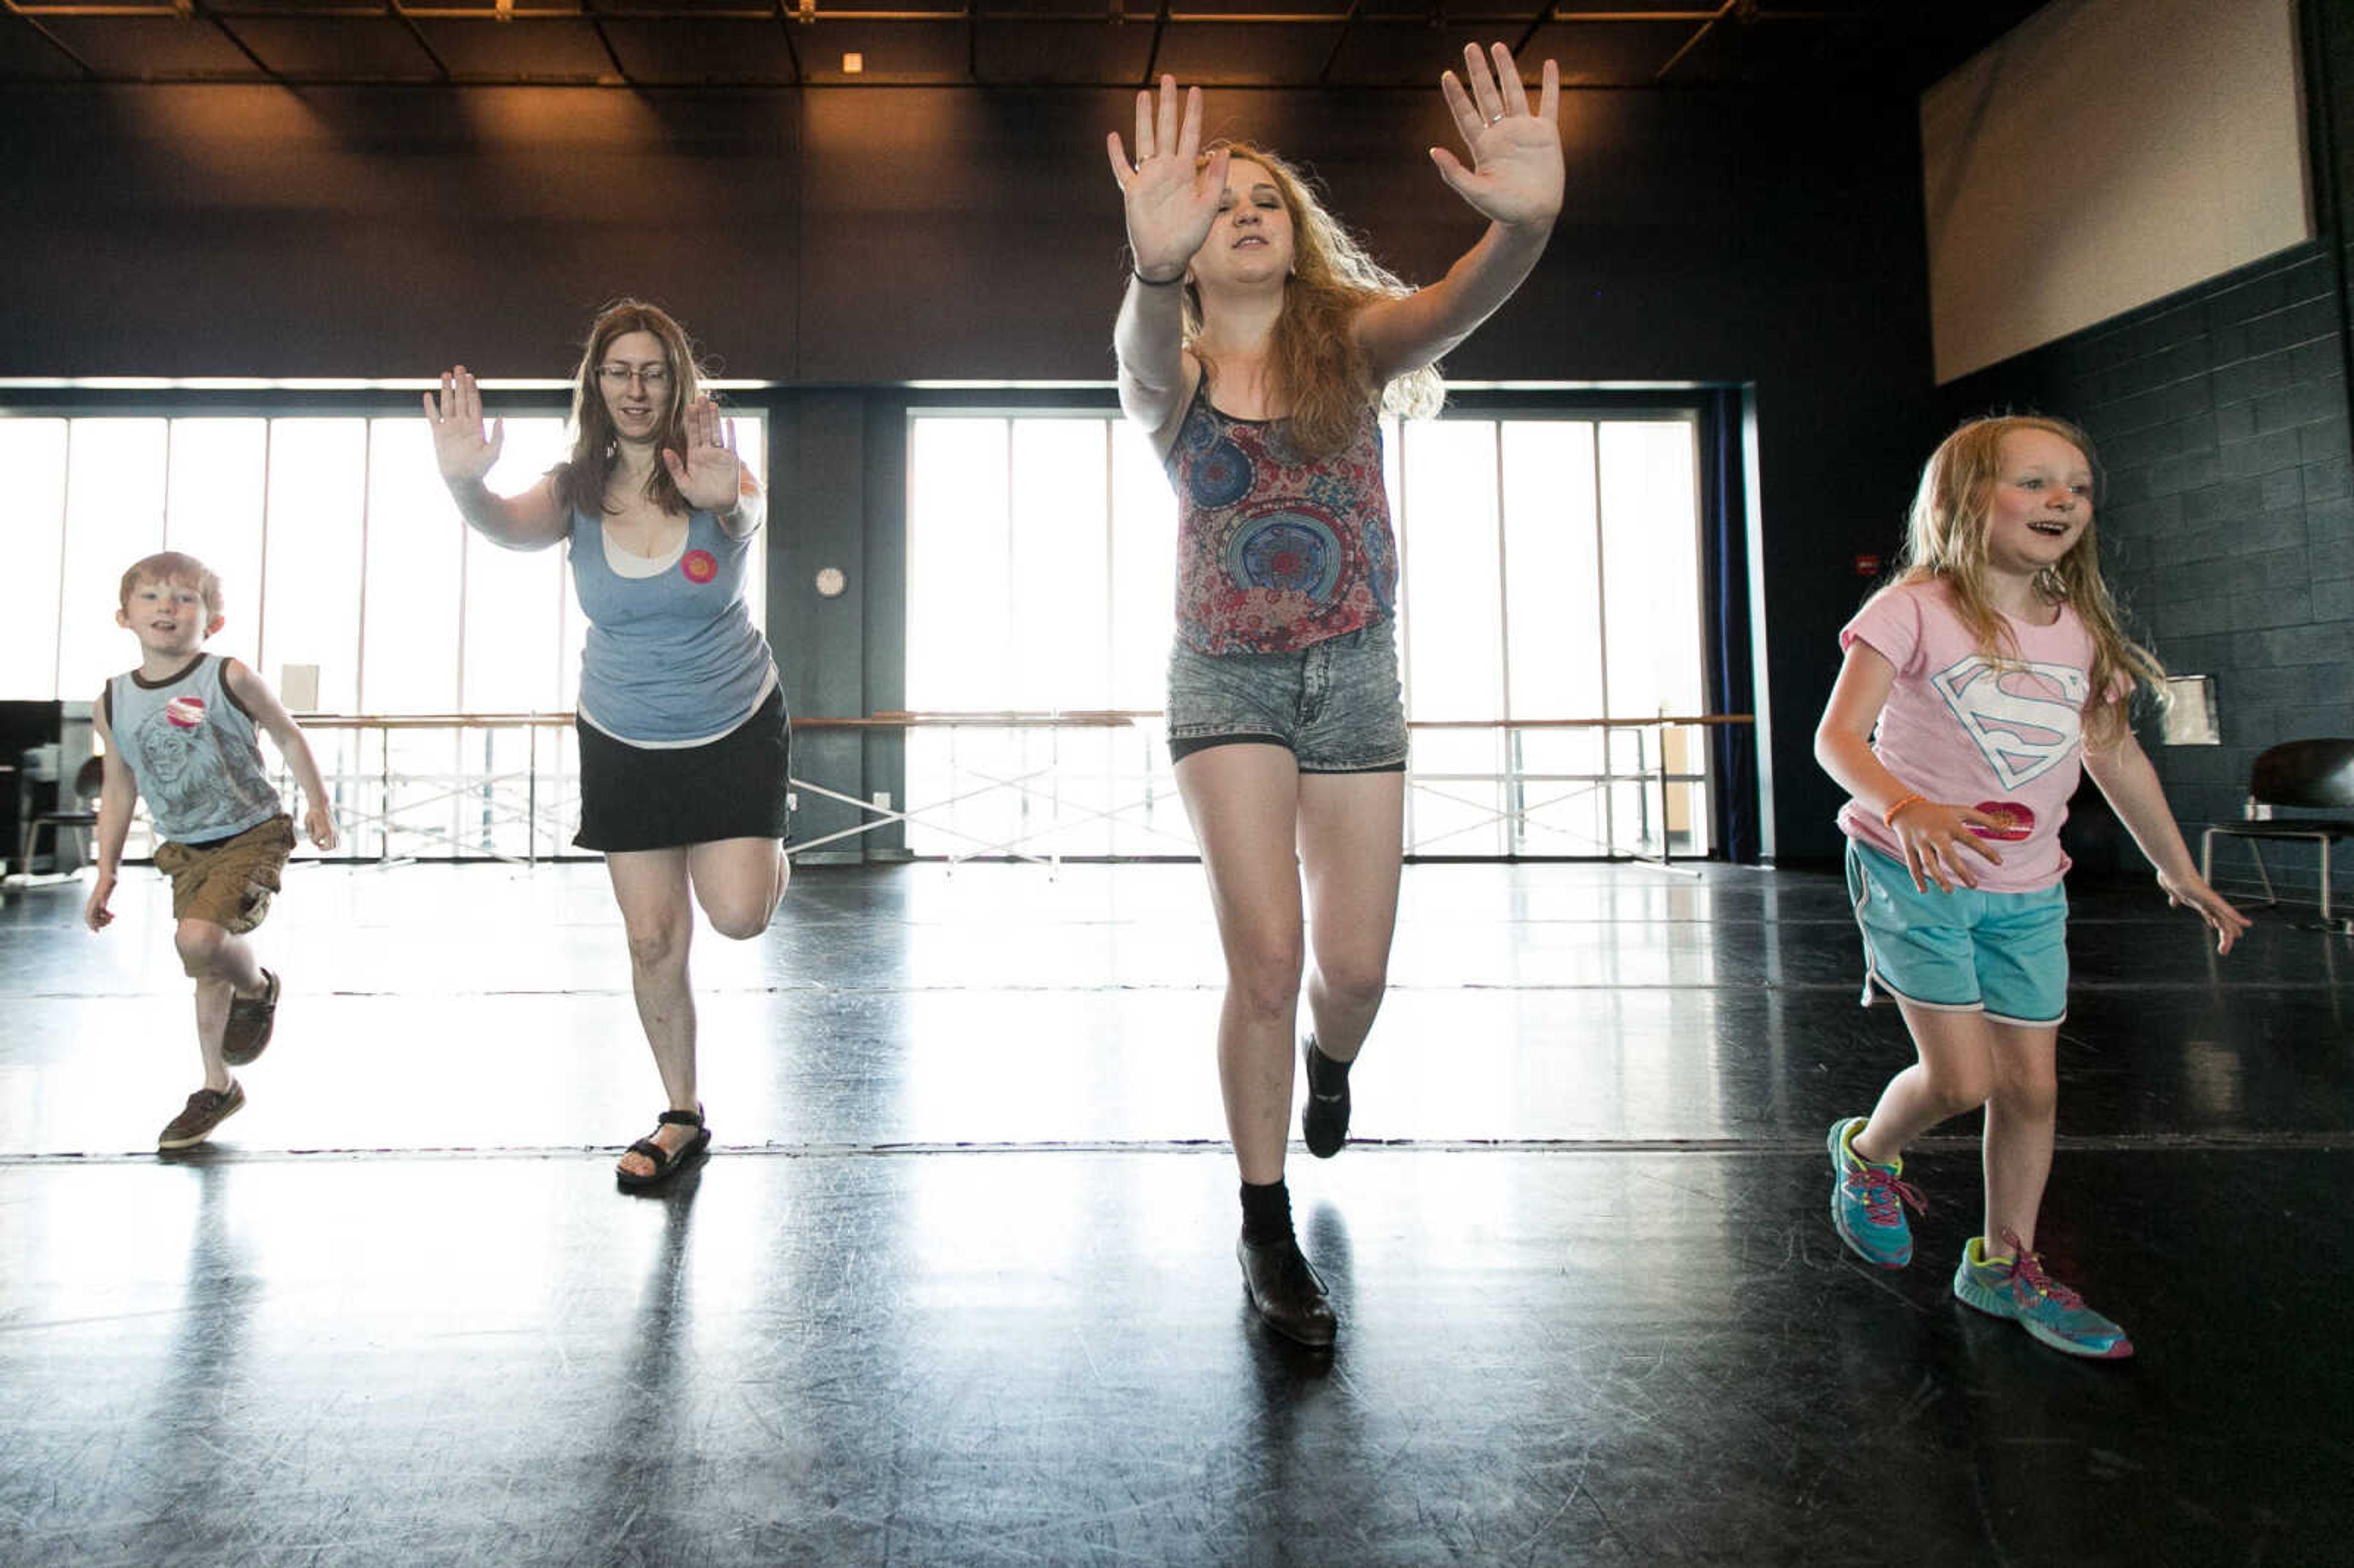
{"type": "Point", "coordinates": [958, 1287]}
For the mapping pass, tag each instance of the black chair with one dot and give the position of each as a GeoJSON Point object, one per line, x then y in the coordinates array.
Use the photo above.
{"type": "Point", "coordinates": [78, 811]}
{"type": "Point", "coordinates": [2312, 775]}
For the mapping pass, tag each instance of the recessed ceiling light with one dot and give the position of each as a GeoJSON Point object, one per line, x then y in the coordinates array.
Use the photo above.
{"type": "Point", "coordinates": [853, 64]}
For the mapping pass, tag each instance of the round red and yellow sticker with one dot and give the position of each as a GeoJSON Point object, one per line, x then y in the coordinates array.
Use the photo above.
{"type": "Point", "coordinates": [2012, 822]}
{"type": "Point", "coordinates": [187, 713]}
{"type": "Point", "coordinates": [699, 566]}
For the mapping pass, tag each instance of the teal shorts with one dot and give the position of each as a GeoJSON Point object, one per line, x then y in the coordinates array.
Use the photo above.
{"type": "Point", "coordinates": [2003, 953]}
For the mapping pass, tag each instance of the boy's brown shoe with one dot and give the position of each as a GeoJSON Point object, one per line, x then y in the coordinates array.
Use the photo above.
{"type": "Point", "coordinates": [250, 1020]}
{"type": "Point", "coordinates": [207, 1109]}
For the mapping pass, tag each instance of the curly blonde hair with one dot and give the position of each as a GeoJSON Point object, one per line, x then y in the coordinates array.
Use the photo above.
{"type": "Point", "coordinates": [1946, 540]}
{"type": "Point", "coordinates": [1320, 369]}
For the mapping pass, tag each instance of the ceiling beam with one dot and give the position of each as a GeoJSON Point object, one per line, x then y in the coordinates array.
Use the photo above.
{"type": "Point", "coordinates": [416, 37]}
{"type": "Point", "coordinates": [785, 30]}
{"type": "Point", "coordinates": [195, 8]}
{"type": "Point", "coordinates": [1159, 26]}
{"type": "Point", "coordinates": [88, 71]}
{"type": "Point", "coordinates": [1333, 55]}
{"type": "Point", "coordinates": [1692, 43]}
{"type": "Point", "coordinates": [597, 25]}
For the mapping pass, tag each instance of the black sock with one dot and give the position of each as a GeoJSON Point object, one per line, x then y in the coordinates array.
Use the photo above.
{"type": "Point", "coordinates": [1325, 1076]}
{"type": "Point", "coordinates": [1266, 1212]}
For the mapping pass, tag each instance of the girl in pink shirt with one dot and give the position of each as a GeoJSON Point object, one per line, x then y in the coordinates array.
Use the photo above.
{"type": "Point", "coordinates": [1976, 688]}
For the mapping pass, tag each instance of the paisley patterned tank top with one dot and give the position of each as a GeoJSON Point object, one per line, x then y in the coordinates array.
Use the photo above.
{"type": "Point", "coordinates": [1277, 551]}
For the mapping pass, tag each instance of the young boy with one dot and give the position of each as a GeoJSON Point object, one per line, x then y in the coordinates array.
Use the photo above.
{"type": "Point", "coordinates": [180, 729]}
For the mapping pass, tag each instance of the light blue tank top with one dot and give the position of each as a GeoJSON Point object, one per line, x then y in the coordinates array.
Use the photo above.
{"type": "Point", "coordinates": [193, 753]}
{"type": "Point", "coordinates": [673, 658]}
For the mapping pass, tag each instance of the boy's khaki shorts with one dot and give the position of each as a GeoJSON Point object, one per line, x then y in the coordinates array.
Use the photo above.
{"type": "Point", "coordinates": [228, 882]}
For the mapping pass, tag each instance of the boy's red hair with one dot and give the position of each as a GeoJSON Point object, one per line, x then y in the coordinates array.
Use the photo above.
{"type": "Point", "coordinates": [172, 566]}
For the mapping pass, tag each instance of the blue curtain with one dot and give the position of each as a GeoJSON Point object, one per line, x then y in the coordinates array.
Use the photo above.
{"type": "Point", "coordinates": [1724, 574]}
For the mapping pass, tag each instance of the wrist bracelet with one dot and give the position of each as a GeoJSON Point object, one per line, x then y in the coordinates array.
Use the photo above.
{"type": "Point", "coordinates": [1157, 282]}
{"type": "Point", "coordinates": [1888, 818]}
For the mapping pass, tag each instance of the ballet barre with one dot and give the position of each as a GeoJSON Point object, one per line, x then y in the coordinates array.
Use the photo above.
{"type": "Point", "coordinates": [1651, 768]}
{"type": "Point", "coordinates": [519, 797]}
{"type": "Point", "coordinates": [1025, 786]}
{"type": "Point", "coordinates": [1652, 729]}
{"type": "Point", "coordinates": [451, 790]}
{"type": "Point", "coordinates": [406, 814]}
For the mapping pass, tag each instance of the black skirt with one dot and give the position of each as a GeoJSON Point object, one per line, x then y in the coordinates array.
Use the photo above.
{"type": "Point", "coordinates": [651, 797]}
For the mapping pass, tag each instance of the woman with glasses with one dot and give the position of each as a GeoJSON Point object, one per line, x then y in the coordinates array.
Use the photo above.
{"type": "Point", "coordinates": [685, 746]}
{"type": "Point", "coordinates": [1257, 344]}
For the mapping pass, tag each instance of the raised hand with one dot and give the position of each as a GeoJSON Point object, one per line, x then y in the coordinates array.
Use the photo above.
{"type": "Point", "coordinates": [1515, 175]}
{"type": "Point", "coordinates": [708, 475]}
{"type": "Point", "coordinates": [458, 445]}
{"type": "Point", "coordinates": [1170, 204]}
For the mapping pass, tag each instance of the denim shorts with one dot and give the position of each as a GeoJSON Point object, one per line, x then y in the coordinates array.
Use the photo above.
{"type": "Point", "coordinates": [2003, 953]}
{"type": "Point", "coordinates": [1336, 706]}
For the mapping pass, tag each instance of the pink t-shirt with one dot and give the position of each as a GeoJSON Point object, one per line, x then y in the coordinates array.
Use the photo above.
{"type": "Point", "coordinates": [1962, 729]}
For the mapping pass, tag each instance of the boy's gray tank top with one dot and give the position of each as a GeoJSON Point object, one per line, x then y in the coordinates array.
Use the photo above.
{"type": "Point", "coordinates": [194, 752]}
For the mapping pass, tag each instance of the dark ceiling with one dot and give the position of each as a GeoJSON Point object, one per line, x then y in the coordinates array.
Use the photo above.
{"type": "Point", "coordinates": [1877, 45]}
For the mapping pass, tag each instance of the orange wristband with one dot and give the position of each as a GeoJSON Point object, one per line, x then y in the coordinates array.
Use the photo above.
{"type": "Point", "coordinates": [1888, 816]}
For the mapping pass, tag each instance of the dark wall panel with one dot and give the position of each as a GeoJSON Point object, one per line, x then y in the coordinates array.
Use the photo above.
{"type": "Point", "coordinates": [248, 232]}
{"type": "Point", "coordinates": [821, 642]}
{"type": "Point", "coordinates": [956, 235]}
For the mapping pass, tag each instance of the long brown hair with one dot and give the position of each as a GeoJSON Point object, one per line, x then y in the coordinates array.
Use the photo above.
{"type": "Point", "coordinates": [581, 478]}
{"type": "Point", "coordinates": [1946, 541]}
{"type": "Point", "coordinates": [1320, 370]}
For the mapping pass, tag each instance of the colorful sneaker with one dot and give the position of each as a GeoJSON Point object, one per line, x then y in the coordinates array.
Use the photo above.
{"type": "Point", "coordinates": [1868, 1201]}
{"type": "Point", "coordinates": [2017, 1288]}
{"type": "Point", "coordinates": [250, 1020]}
{"type": "Point", "coordinates": [206, 1109]}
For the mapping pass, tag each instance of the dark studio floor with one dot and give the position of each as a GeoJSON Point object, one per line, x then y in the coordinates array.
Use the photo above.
{"type": "Point", "coordinates": [960, 1286]}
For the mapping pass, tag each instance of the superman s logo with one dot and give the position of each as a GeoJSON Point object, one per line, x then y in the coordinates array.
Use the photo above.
{"type": "Point", "coordinates": [2026, 718]}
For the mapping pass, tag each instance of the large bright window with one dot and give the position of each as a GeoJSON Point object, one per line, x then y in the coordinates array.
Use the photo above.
{"type": "Point", "coordinates": [346, 570]}
{"type": "Point", "coordinates": [1043, 549]}
{"type": "Point", "coordinates": [1551, 572]}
